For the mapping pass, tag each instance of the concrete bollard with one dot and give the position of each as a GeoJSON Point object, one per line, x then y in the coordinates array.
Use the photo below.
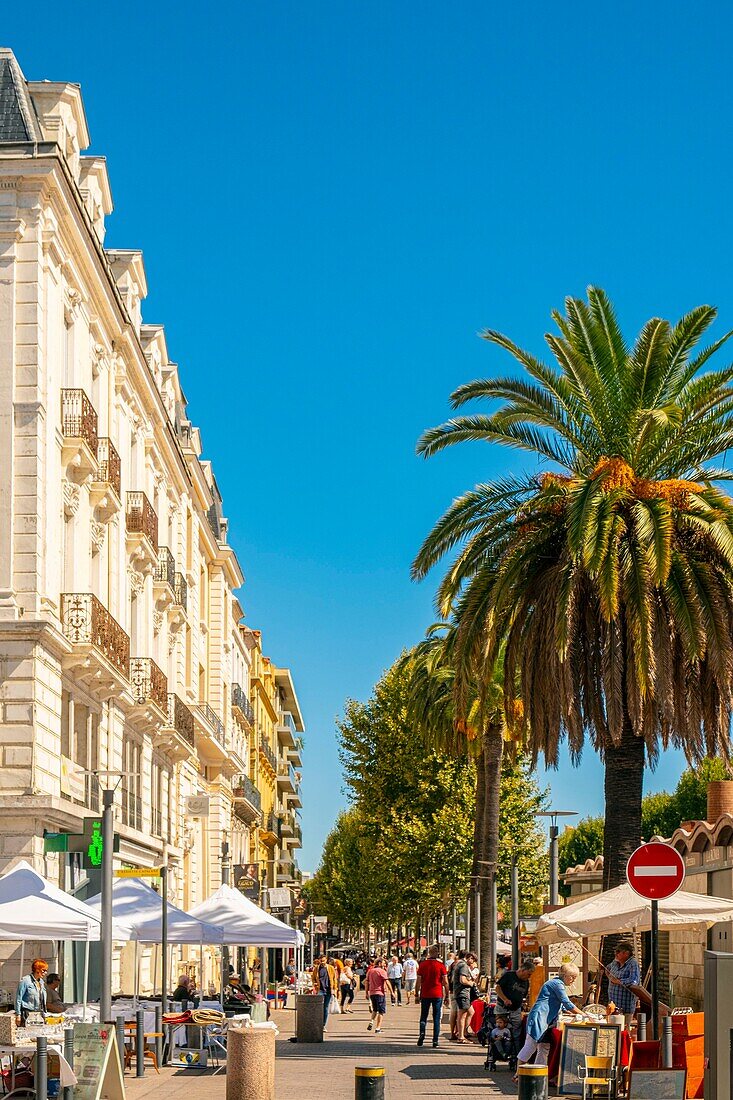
{"type": "Point", "coordinates": [41, 1068]}
{"type": "Point", "coordinates": [369, 1082]}
{"type": "Point", "coordinates": [250, 1063]}
{"type": "Point", "coordinates": [667, 1042]}
{"type": "Point", "coordinates": [309, 1018]}
{"type": "Point", "coordinates": [533, 1083]}
{"type": "Point", "coordinates": [140, 1043]}
{"type": "Point", "coordinates": [69, 1056]}
{"type": "Point", "coordinates": [158, 1029]}
{"type": "Point", "coordinates": [641, 1028]}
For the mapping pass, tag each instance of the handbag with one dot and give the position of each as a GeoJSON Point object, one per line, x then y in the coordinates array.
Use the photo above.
{"type": "Point", "coordinates": [334, 1008]}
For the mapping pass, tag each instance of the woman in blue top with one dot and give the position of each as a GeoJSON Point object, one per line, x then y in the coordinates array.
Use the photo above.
{"type": "Point", "coordinates": [544, 1013]}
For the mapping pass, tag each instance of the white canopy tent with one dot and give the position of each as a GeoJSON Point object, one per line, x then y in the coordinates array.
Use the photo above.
{"type": "Point", "coordinates": [244, 923]}
{"type": "Point", "coordinates": [137, 912]}
{"type": "Point", "coordinates": [31, 908]}
{"type": "Point", "coordinates": [623, 910]}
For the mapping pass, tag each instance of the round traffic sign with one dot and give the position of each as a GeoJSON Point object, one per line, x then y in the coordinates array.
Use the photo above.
{"type": "Point", "coordinates": [655, 871]}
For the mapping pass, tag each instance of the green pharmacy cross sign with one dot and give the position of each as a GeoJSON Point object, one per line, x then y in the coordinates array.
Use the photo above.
{"type": "Point", "coordinates": [89, 843]}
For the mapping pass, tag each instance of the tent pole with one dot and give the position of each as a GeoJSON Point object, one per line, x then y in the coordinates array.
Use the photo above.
{"type": "Point", "coordinates": [86, 979]}
{"type": "Point", "coordinates": [22, 960]}
{"type": "Point", "coordinates": [137, 977]}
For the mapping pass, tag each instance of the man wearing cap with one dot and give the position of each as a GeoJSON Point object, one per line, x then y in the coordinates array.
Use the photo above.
{"type": "Point", "coordinates": [623, 972]}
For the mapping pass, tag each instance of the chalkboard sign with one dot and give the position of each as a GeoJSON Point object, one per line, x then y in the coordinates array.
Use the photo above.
{"type": "Point", "coordinates": [578, 1040]}
{"type": "Point", "coordinates": [97, 1063]}
{"type": "Point", "coordinates": [658, 1084]}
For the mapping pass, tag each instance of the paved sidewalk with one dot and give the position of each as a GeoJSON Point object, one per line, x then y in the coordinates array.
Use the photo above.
{"type": "Point", "coordinates": [326, 1071]}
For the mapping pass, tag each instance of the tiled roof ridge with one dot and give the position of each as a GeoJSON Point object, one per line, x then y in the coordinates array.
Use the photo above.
{"type": "Point", "coordinates": [20, 107]}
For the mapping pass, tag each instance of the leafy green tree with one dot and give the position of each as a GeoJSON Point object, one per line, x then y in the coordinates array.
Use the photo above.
{"type": "Point", "coordinates": [691, 792]}
{"type": "Point", "coordinates": [609, 577]}
{"type": "Point", "coordinates": [415, 805]}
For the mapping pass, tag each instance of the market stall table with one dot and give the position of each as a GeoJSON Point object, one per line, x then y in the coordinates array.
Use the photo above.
{"type": "Point", "coordinates": [553, 1061]}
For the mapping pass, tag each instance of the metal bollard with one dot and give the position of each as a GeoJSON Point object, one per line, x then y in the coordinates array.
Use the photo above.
{"type": "Point", "coordinates": [159, 1034]}
{"type": "Point", "coordinates": [667, 1042]}
{"type": "Point", "coordinates": [140, 1043]}
{"type": "Point", "coordinates": [119, 1035]}
{"type": "Point", "coordinates": [41, 1070]}
{"type": "Point", "coordinates": [533, 1083]}
{"type": "Point", "coordinates": [369, 1082]}
{"type": "Point", "coordinates": [641, 1028]}
{"type": "Point", "coordinates": [69, 1056]}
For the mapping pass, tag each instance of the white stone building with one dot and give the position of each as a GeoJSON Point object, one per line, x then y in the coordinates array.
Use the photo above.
{"type": "Point", "coordinates": [120, 640]}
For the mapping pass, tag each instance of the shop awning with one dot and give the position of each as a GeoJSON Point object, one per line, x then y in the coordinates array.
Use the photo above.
{"type": "Point", "coordinates": [137, 915]}
{"type": "Point", "coordinates": [244, 923]}
{"type": "Point", "coordinates": [622, 910]}
{"type": "Point", "coordinates": [31, 908]}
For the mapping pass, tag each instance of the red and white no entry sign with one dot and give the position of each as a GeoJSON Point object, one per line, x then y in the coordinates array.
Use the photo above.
{"type": "Point", "coordinates": [655, 871]}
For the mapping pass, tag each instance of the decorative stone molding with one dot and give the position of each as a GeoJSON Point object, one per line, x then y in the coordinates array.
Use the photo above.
{"type": "Point", "coordinates": [99, 531]}
{"type": "Point", "coordinates": [137, 581]}
{"type": "Point", "coordinates": [157, 621]}
{"type": "Point", "coordinates": [72, 495]}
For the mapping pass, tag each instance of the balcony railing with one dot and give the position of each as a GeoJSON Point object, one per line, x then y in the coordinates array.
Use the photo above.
{"type": "Point", "coordinates": [269, 755]}
{"type": "Point", "coordinates": [88, 622]}
{"type": "Point", "coordinates": [272, 825]}
{"type": "Point", "coordinates": [214, 721]}
{"type": "Point", "coordinates": [165, 570]}
{"type": "Point", "coordinates": [180, 719]}
{"type": "Point", "coordinates": [243, 787]}
{"type": "Point", "coordinates": [149, 684]}
{"type": "Point", "coordinates": [298, 832]}
{"type": "Point", "coordinates": [180, 591]}
{"type": "Point", "coordinates": [110, 467]}
{"type": "Point", "coordinates": [132, 809]}
{"type": "Point", "coordinates": [78, 418]}
{"type": "Point", "coordinates": [141, 517]}
{"type": "Point", "coordinates": [242, 703]}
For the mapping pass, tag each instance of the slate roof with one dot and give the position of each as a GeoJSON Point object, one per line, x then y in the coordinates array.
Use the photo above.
{"type": "Point", "coordinates": [18, 120]}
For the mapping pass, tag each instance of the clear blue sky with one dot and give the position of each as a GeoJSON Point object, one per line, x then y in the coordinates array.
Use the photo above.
{"type": "Point", "coordinates": [332, 199]}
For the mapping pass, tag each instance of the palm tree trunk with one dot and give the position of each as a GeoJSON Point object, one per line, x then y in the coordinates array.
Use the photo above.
{"type": "Point", "coordinates": [623, 786]}
{"type": "Point", "coordinates": [479, 844]}
{"type": "Point", "coordinates": [491, 753]}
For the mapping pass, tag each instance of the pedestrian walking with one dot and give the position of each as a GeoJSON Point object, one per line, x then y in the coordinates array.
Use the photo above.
{"type": "Point", "coordinates": [378, 985]}
{"type": "Point", "coordinates": [394, 973]}
{"type": "Point", "coordinates": [431, 990]}
{"type": "Point", "coordinates": [347, 984]}
{"type": "Point", "coordinates": [409, 973]}
{"type": "Point", "coordinates": [462, 986]}
{"type": "Point", "coordinates": [323, 978]}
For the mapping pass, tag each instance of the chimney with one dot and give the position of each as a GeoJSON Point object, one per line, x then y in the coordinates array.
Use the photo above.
{"type": "Point", "coordinates": [720, 798]}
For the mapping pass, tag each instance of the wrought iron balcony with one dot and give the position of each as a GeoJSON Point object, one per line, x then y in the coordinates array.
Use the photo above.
{"type": "Point", "coordinates": [180, 591]}
{"type": "Point", "coordinates": [165, 570]}
{"type": "Point", "coordinates": [213, 721]}
{"type": "Point", "coordinates": [110, 467]}
{"type": "Point", "coordinates": [78, 418]}
{"type": "Point", "coordinates": [180, 719]}
{"type": "Point", "coordinates": [241, 703]}
{"type": "Point", "coordinates": [266, 751]}
{"type": "Point", "coordinates": [272, 826]}
{"type": "Point", "coordinates": [244, 788]}
{"type": "Point", "coordinates": [87, 622]}
{"type": "Point", "coordinates": [141, 518]}
{"type": "Point", "coordinates": [297, 832]}
{"type": "Point", "coordinates": [149, 683]}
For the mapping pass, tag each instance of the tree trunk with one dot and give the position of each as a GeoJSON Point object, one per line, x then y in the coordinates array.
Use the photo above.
{"type": "Point", "coordinates": [491, 752]}
{"type": "Point", "coordinates": [623, 786]}
{"type": "Point", "coordinates": [479, 844]}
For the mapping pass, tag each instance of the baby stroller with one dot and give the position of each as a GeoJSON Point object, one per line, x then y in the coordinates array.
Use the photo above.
{"type": "Point", "coordinates": [506, 1052]}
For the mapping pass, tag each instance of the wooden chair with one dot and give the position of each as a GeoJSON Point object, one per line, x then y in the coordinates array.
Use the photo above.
{"type": "Point", "coordinates": [598, 1077]}
{"type": "Point", "coordinates": [148, 1053]}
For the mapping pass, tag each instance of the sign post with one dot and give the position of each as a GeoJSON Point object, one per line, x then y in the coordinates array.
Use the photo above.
{"type": "Point", "coordinates": [655, 871]}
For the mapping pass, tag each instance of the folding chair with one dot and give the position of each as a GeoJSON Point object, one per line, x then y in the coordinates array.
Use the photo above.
{"type": "Point", "coordinates": [598, 1077]}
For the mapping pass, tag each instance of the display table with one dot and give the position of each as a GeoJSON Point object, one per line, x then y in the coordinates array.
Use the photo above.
{"type": "Point", "coordinates": [553, 1061]}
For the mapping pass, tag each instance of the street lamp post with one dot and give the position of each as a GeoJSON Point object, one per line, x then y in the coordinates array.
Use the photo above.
{"type": "Point", "coordinates": [108, 838]}
{"type": "Point", "coordinates": [554, 833]}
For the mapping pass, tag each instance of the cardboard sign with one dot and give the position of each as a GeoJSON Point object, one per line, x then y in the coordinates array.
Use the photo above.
{"type": "Point", "coordinates": [97, 1063]}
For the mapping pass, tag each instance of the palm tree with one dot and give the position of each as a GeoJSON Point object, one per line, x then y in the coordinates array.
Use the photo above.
{"type": "Point", "coordinates": [480, 735]}
{"type": "Point", "coordinates": [608, 577]}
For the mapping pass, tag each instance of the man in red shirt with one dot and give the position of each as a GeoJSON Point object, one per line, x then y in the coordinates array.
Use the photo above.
{"type": "Point", "coordinates": [432, 987]}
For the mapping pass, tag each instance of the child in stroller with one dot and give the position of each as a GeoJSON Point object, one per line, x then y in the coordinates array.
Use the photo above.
{"type": "Point", "coordinates": [500, 1041]}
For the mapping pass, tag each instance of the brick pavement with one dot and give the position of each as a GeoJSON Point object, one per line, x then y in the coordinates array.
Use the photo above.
{"type": "Point", "coordinates": [326, 1071]}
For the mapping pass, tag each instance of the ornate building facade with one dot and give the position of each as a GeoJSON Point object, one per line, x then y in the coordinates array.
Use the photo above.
{"type": "Point", "coordinates": [122, 650]}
